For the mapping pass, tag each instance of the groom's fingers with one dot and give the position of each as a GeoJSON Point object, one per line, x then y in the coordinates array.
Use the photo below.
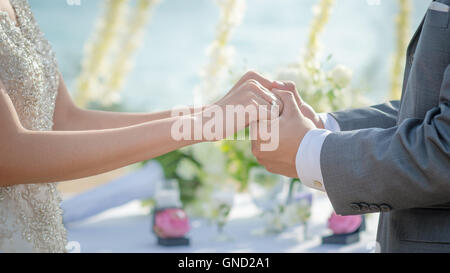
{"type": "Point", "coordinates": [288, 99]}
{"type": "Point", "coordinates": [263, 158]}
{"type": "Point", "coordinates": [253, 131]}
{"type": "Point", "coordinates": [261, 134]}
{"type": "Point", "coordinates": [289, 86]}
{"type": "Point", "coordinates": [259, 110]}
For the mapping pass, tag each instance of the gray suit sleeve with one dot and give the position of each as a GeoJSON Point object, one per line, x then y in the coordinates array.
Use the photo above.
{"type": "Point", "coordinates": [378, 116]}
{"type": "Point", "coordinates": [406, 166]}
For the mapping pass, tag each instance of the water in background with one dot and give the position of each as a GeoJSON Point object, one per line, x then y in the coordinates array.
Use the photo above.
{"type": "Point", "coordinates": [359, 35]}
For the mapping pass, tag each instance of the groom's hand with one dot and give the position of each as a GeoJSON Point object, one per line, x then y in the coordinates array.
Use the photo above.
{"type": "Point", "coordinates": [292, 126]}
{"type": "Point", "coordinates": [305, 108]}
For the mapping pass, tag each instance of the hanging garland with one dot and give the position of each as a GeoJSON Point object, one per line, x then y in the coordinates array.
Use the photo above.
{"type": "Point", "coordinates": [131, 40]}
{"type": "Point", "coordinates": [322, 88]}
{"type": "Point", "coordinates": [97, 48]}
{"type": "Point", "coordinates": [107, 59]}
{"type": "Point", "coordinates": [322, 13]}
{"type": "Point", "coordinates": [219, 52]}
{"type": "Point", "coordinates": [402, 30]}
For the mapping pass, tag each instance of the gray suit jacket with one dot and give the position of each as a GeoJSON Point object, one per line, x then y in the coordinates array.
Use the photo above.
{"type": "Point", "coordinates": [394, 158]}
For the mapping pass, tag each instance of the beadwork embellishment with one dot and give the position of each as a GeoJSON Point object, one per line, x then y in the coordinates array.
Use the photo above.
{"type": "Point", "coordinates": [30, 215]}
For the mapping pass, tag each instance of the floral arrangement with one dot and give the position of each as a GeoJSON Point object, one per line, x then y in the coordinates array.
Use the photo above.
{"type": "Point", "coordinates": [96, 50]}
{"type": "Point", "coordinates": [402, 24]}
{"type": "Point", "coordinates": [171, 223]}
{"type": "Point", "coordinates": [121, 65]}
{"type": "Point", "coordinates": [201, 171]}
{"type": "Point", "coordinates": [108, 54]}
{"type": "Point", "coordinates": [326, 88]}
{"type": "Point", "coordinates": [219, 51]}
{"type": "Point", "coordinates": [344, 224]}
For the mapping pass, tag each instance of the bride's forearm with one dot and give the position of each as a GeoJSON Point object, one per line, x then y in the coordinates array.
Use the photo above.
{"type": "Point", "coordinates": [65, 155]}
{"type": "Point", "coordinates": [69, 117]}
{"type": "Point", "coordinates": [81, 119]}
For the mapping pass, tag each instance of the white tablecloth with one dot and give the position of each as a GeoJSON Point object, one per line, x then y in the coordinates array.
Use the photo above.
{"type": "Point", "coordinates": [127, 229]}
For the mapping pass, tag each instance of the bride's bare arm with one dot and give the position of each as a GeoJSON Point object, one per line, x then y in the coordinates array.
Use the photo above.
{"type": "Point", "coordinates": [35, 157]}
{"type": "Point", "coordinates": [69, 117]}
{"type": "Point", "coordinates": [39, 157]}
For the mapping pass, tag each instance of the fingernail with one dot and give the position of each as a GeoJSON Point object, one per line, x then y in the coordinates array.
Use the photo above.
{"type": "Point", "coordinates": [279, 84]}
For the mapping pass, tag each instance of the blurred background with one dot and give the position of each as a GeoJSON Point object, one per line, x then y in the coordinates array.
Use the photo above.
{"type": "Point", "coordinates": [359, 35]}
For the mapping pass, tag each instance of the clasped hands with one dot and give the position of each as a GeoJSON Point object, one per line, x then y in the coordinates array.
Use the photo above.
{"type": "Point", "coordinates": [295, 119]}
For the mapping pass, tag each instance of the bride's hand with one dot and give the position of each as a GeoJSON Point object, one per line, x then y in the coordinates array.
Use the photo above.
{"type": "Point", "coordinates": [252, 90]}
{"type": "Point", "coordinates": [248, 101]}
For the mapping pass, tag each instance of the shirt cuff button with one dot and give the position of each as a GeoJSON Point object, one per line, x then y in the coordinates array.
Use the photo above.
{"type": "Point", "coordinates": [364, 206]}
{"type": "Point", "coordinates": [355, 207]}
{"type": "Point", "coordinates": [374, 207]}
{"type": "Point", "coordinates": [318, 184]}
{"type": "Point", "coordinates": [385, 208]}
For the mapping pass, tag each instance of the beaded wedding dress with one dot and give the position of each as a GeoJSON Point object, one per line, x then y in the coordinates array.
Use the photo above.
{"type": "Point", "coordinates": [30, 215]}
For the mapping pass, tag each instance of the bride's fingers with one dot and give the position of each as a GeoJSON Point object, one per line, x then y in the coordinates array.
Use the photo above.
{"type": "Point", "coordinates": [252, 75]}
{"type": "Point", "coordinates": [264, 110]}
{"type": "Point", "coordinates": [269, 95]}
{"type": "Point", "coordinates": [257, 89]}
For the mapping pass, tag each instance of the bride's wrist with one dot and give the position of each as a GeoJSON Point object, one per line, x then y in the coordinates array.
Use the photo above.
{"type": "Point", "coordinates": [209, 124]}
{"type": "Point", "coordinates": [197, 122]}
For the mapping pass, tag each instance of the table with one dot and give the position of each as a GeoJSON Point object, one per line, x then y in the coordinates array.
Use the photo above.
{"type": "Point", "coordinates": [127, 229]}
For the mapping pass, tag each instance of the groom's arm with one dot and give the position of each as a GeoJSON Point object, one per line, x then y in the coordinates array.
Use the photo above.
{"type": "Point", "coordinates": [377, 116]}
{"type": "Point", "coordinates": [372, 170]}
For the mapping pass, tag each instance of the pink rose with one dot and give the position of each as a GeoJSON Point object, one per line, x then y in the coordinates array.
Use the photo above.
{"type": "Point", "coordinates": [344, 224]}
{"type": "Point", "coordinates": [171, 223]}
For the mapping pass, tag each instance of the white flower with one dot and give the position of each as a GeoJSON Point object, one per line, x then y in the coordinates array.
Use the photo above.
{"type": "Point", "coordinates": [288, 74]}
{"type": "Point", "coordinates": [341, 76]}
{"type": "Point", "coordinates": [304, 80]}
{"type": "Point", "coordinates": [299, 75]}
{"type": "Point", "coordinates": [232, 12]}
{"type": "Point", "coordinates": [186, 169]}
{"type": "Point", "coordinates": [211, 157]}
{"type": "Point", "coordinates": [219, 52]}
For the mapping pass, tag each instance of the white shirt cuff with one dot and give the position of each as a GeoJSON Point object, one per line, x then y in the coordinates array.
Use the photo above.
{"type": "Point", "coordinates": [329, 122]}
{"type": "Point", "coordinates": [308, 159]}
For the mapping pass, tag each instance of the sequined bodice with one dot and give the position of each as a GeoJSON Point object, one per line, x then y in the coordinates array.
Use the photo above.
{"type": "Point", "coordinates": [30, 216]}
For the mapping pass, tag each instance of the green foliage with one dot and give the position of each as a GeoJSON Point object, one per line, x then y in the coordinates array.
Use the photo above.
{"type": "Point", "coordinates": [238, 161]}
{"type": "Point", "coordinates": [188, 187]}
